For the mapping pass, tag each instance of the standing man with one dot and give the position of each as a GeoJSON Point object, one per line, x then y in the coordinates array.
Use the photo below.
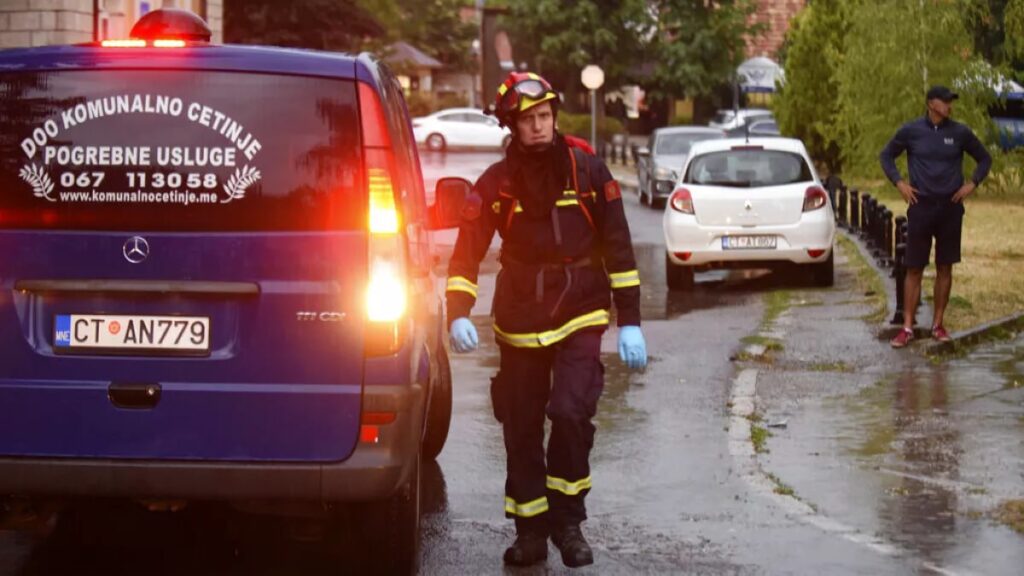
{"type": "Point", "coordinates": [935, 147]}
{"type": "Point", "coordinates": [566, 254]}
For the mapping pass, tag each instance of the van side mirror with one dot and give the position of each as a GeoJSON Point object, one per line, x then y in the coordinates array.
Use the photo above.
{"type": "Point", "coordinates": [449, 199]}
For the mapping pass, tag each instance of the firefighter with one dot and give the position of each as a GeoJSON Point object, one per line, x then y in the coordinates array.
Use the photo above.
{"type": "Point", "coordinates": [565, 255]}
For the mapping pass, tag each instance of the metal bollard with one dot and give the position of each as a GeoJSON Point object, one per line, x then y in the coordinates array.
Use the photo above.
{"type": "Point", "coordinates": [866, 214]}
{"type": "Point", "coordinates": [841, 207]}
{"type": "Point", "coordinates": [886, 235]}
{"type": "Point", "coordinates": [854, 209]}
{"type": "Point", "coordinates": [899, 273]}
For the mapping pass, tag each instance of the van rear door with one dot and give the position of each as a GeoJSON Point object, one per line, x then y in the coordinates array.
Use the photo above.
{"type": "Point", "coordinates": [182, 265]}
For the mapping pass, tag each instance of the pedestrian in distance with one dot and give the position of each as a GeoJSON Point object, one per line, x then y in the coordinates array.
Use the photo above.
{"type": "Point", "coordinates": [566, 254]}
{"type": "Point", "coordinates": [935, 146]}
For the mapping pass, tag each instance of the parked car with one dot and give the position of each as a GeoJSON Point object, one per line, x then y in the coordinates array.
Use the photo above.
{"type": "Point", "coordinates": [663, 158]}
{"type": "Point", "coordinates": [765, 127]}
{"type": "Point", "coordinates": [460, 128]}
{"type": "Point", "coordinates": [217, 297]}
{"type": "Point", "coordinates": [733, 122]}
{"type": "Point", "coordinates": [756, 204]}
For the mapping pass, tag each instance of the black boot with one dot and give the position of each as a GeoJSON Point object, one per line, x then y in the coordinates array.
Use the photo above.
{"type": "Point", "coordinates": [575, 550]}
{"type": "Point", "coordinates": [529, 548]}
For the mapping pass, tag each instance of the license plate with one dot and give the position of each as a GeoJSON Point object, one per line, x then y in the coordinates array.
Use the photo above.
{"type": "Point", "coordinates": [749, 242]}
{"type": "Point", "coordinates": [119, 334]}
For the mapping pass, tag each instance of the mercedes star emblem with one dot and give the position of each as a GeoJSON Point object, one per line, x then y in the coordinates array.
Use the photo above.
{"type": "Point", "coordinates": [136, 249]}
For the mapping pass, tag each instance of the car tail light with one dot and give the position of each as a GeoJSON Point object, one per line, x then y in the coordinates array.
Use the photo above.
{"type": "Point", "coordinates": [681, 201]}
{"type": "Point", "coordinates": [387, 280]}
{"type": "Point", "coordinates": [684, 256]}
{"type": "Point", "coordinates": [814, 198]}
{"type": "Point", "coordinates": [815, 252]}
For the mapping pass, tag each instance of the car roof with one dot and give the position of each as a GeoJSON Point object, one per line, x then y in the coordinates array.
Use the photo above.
{"type": "Point", "coordinates": [687, 130]}
{"type": "Point", "coordinates": [234, 58]}
{"type": "Point", "coordinates": [768, 143]}
{"type": "Point", "coordinates": [458, 111]}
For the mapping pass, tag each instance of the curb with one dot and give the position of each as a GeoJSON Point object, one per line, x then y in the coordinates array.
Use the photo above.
{"type": "Point", "coordinates": [978, 335]}
{"type": "Point", "coordinates": [961, 340]}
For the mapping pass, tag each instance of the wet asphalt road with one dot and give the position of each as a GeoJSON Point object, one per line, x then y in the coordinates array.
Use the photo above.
{"type": "Point", "coordinates": [894, 463]}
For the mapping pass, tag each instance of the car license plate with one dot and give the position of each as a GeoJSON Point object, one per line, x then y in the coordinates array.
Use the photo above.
{"type": "Point", "coordinates": [117, 334]}
{"type": "Point", "coordinates": [749, 242]}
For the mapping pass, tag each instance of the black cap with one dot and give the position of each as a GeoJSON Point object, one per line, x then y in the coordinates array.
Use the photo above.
{"type": "Point", "coordinates": [941, 93]}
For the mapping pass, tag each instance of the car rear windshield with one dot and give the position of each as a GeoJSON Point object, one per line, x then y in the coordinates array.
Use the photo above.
{"type": "Point", "coordinates": [679, 144]}
{"type": "Point", "coordinates": [744, 168]}
{"type": "Point", "coordinates": [179, 151]}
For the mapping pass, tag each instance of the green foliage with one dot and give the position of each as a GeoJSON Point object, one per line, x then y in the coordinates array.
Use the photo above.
{"type": "Point", "coordinates": [681, 120]}
{"type": "Point", "coordinates": [579, 125]}
{"type": "Point", "coordinates": [339, 25]}
{"type": "Point", "coordinates": [423, 103]}
{"type": "Point", "coordinates": [893, 51]}
{"type": "Point", "coordinates": [1013, 22]}
{"type": "Point", "coordinates": [1007, 176]}
{"type": "Point", "coordinates": [698, 45]}
{"type": "Point", "coordinates": [807, 104]}
{"type": "Point", "coordinates": [433, 26]}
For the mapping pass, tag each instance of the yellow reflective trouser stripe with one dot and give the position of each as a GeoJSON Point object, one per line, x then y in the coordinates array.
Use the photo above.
{"type": "Point", "coordinates": [625, 279]}
{"type": "Point", "coordinates": [567, 203]}
{"type": "Point", "coordinates": [538, 340]}
{"type": "Point", "coordinates": [460, 284]}
{"type": "Point", "coordinates": [527, 510]}
{"type": "Point", "coordinates": [568, 488]}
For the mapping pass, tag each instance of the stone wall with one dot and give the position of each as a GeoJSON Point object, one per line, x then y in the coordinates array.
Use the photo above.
{"type": "Point", "coordinates": [775, 15]}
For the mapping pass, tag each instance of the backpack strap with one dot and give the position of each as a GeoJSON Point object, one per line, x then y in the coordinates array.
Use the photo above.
{"type": "Point", "coordinates": [581, 183]}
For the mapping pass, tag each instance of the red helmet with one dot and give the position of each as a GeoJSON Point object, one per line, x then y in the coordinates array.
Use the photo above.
{"type": "Point", "coordinates": [519, 92]}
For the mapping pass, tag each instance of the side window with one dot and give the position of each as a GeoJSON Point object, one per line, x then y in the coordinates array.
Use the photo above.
{"type": "Point", "coordinates": [449, 117]}
{"type": "Point", "coordinates": [408, 179]}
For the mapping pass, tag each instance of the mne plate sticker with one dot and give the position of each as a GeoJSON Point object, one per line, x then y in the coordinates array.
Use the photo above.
{"type": "Point", "coordinates": [132, 333]}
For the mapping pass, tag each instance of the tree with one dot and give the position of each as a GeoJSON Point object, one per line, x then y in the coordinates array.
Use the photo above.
{"type": "Point", "coordinates": [433, 26]}
{"type": "Point", "coordinates": [560, 37]}
{"type": "Point", "coordinates": [698, 45]}
{"type": "Point", "coordinates": [339, 25]}
{"type": "Point", "coordinates": [807, 104]}
{"type": "Point", "coordinates": [894, 50]}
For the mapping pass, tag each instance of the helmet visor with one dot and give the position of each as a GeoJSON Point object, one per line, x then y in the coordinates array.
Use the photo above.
{"type": "Point", "coordinates": [525, 94]}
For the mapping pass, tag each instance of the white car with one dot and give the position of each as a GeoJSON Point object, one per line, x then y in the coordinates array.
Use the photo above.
{"type": "Point", "coordinates": [748, 204]}
{"type": "Point", "coordinates": [460, 128]}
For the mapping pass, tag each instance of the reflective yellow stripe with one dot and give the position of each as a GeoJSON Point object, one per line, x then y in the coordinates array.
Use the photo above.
{"type": "Point", "coordinates": [538, 340]}
{"type": "Point", "coordinates": [625, 279]}
{"type": "Point", "coordinates": [532, 76]}
{"type": "Point", "coordinates": [527, 510]}
{"type": "Point", "coordinates": [518, 208]}
{"type": "Point", "coordinates": [567, 203]}
{"type": "Point", "coordinates": [569, 193]}
{"type": "Point", "coordinates": [568, 488]}
{"type": "Point", "coordinates": [502, 89]}
{"type": "Point", "coordinates": [461, 284]}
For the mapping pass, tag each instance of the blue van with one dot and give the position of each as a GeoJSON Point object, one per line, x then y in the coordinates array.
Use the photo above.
{"type": "Point", "coordinates": [216, 280]}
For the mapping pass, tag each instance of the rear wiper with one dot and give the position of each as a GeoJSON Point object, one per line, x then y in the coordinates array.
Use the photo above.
{"type": "Point", "coordinates": [729, 183]}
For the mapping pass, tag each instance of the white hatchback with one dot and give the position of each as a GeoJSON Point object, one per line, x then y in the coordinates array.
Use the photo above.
{"type": "Point", "coordinates": [460, 128]}
{"type": "Point", "coordinates": [748, 204]}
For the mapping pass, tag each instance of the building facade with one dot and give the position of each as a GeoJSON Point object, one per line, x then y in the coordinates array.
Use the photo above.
{"type": "Point", "coordinates": [45, 22]}
{"type": "Point", "coordinates": [775, 15]}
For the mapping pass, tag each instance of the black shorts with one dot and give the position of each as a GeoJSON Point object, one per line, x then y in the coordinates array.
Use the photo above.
{"type": "Point", "coordinates": [938, 218]}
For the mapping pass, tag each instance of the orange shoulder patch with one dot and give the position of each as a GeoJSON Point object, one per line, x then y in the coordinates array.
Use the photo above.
{"type": "Point", "coordinates": [612, 191]}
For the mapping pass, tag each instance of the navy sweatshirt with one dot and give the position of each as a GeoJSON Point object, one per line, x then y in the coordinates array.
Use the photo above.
{"type": "Point", "coordinates": [935, 156]}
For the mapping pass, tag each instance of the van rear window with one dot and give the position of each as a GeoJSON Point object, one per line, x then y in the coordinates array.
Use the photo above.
{"type": "Point", "coordinates": [179, 151]}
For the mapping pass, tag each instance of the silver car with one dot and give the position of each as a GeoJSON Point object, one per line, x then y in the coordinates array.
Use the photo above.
{"type": "Point", "coordinates": [663, 157]}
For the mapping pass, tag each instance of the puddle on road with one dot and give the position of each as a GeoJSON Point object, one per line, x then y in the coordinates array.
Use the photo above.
{"type": "Point", "coordinates": [943, 443]}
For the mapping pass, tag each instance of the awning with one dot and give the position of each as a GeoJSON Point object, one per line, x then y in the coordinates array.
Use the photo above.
{"type": "Point", "coordinates": [759, 74]}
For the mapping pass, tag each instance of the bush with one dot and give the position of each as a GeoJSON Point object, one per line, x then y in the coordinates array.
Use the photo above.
{"type": "Point", "coordinates": [1007, 177]}
{"type": "Point", "coordinates": [423, 103]}
{"type": "Point", "coordinates": [579, 125]}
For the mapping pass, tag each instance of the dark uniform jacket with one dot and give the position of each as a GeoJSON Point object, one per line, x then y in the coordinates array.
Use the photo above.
{"type": "Point", "coordinates": [563, 257]}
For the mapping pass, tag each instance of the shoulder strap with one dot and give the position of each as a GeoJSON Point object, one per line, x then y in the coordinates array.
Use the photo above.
{"type": "Point", "coordinates": [581, 182]}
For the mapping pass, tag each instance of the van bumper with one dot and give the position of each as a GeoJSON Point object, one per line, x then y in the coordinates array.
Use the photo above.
{"type": "Point", "coordinates": [372, 472]}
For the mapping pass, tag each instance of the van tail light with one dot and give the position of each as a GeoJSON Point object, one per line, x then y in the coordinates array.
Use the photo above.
{"type": "Point", "coordinates": [387, 278]}
{"type": "Point", "coordinates": [168, 43]}
{"type": "Point", "coordinates": [681, 201]}
{"type": "Point", "coordinates": [814, 198]}
{"type": "Point", "coordinates": [370, 423]}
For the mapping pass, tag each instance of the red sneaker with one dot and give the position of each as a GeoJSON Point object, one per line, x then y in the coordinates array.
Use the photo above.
{"type": "Point", "coordinates": [939, 333]}
{"type": "Point", "coordinates": [902, 338]}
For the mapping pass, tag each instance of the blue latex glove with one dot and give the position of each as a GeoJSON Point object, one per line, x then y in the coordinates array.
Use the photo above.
{"type": "Point", "coordinates": [632, 347]}
{"type": "Point", "coordinates": [462, 335]}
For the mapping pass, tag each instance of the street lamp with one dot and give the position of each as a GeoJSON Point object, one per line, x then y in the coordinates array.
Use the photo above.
{"type": "Point", "coordinates": [593, 78]}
